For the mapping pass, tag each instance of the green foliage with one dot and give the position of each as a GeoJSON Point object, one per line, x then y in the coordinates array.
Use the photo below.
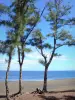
{"type": "Point", "coordinates": [64, 35]}
{"type": "Point", "coordinates": [23, 14]}
{"type": "Point", "coordinates": [27, 50]}
{"type": "Point", "coordinates": [6, 23]}
{"type": "Point", "coordinates": [71, 43]}
{"type": "Point", "coordinates": [56, 54]}
{"type": "Point", "coordinates": [71, 21]}
{"type": "Point", "coordinates": [6, 47]}
{"type": "Point", "coordinates": [57, 13]}
{"type": "Point", "coordinates": [49, 35]}
{"type": "Point", "coordinates": [40, 47]}
{"type": "Point", "coordinates": [37, 34]}
{"type": "Point", "coordinates": [42, 62]}
{"type": "Point", "coordinates": [56, 16]}
{"type": "Point", "coordinates": [47, 45]}
{"type": "Point", "coordinates": [3, 9]}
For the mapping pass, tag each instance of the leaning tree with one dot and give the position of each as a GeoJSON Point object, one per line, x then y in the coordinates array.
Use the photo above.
{"type": "Point", "coordinates": [58, 36]}
{"type": "Point", "coordinates": [7, 47]}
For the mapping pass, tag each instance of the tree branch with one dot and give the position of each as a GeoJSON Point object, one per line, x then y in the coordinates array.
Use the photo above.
{"type": "Point", "coordinates": [42, 52]}
{"type": "Point", "coordinates": [36, 22]}
{"type": "Point", "coordinates": [52, 52]}
{"type": "Point", "coordinates": [22, 54]}
{"type": "Point", "coordinates": [64, 44]}
{"type": "Point", "coordinates": [19, 55]}
{"type": "Point", "coordinates": [38, 50]}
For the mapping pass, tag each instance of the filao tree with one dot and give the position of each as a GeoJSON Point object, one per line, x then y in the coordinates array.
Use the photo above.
{"type": "Point", "coordinates": [29, 17]}
{"type": "Point", "coordinates": [23, 17]}
{"type": "Point", "coordinates": [27, 21]}
{"type": "Point", "coordinates": [57, 18]}
{"type": "Point", "coordinates": [6, 47]}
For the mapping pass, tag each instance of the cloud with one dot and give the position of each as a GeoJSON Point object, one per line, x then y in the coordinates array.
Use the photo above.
{"type": "Point", "coordinates": [27, 62]}
{"type": "Point", "coordinates": [37, 56]}
{"type": "Point", "coordinates": [34, 55]}
{"type": "Point", "coordinates": [63, 57]}
{"type": "Point", "coordinates": [2, 60]}
{"type": "Point", "coordinates": [31, 61]}
{"type": "Point", "coordinates": [33, 58]}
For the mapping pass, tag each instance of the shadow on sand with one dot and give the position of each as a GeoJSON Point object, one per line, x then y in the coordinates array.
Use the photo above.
{"type": "Point", "coordinates": [44, 97]}
{"type": "Point", "coordinates": [54, 98]}
{"type": "Point", "coordinates": [48, 97]}
{"type": "Point", "coordinates": [2, 96]}
{"type": "Point", "coordinates": [13, 95]}
{"type": "Point", "coordinates": [69, 97]}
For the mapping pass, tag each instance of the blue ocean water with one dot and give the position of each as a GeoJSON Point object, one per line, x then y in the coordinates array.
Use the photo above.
{"type": "Point", "coordinates": [37, 75]}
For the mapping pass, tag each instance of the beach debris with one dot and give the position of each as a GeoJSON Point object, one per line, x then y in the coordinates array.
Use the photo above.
{"type": "Point", "coordinates": [37, 91]}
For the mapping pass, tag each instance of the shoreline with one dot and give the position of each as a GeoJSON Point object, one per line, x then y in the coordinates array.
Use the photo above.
{"type": "Point", "coordinates": [16, 80]}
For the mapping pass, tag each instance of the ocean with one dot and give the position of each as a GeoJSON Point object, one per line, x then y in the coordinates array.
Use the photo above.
{"type": "Point", "coordinates": [37, 75]}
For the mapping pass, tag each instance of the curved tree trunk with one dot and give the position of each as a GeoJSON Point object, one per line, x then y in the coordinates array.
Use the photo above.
{"type": "Point", "coordinates": [46, 68]}
{"type": "Point", "coordinates": [45, 80]}
{"type": "Point", "coordinates": [6, 79]}
{"type": "Point", "coordinates": [20, 64]}
{"type": "Point", "coordinates": [20, 80]}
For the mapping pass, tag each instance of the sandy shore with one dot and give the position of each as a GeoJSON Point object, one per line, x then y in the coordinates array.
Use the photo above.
{"type": "Point", "coordinates": [29, 86]}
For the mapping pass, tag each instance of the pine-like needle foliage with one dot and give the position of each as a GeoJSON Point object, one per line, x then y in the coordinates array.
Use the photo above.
{"type": "Point", "coordinates": [57, 18]}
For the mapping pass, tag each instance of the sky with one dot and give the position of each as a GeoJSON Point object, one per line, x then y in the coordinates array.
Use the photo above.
{"type": "Point", "coordinates": [65, 62]}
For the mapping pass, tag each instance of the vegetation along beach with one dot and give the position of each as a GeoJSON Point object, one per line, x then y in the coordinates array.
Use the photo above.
{"type": "Point", "coordinates": [37, 50]}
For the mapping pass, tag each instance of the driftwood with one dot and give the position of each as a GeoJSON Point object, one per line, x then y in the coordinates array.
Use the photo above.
{"type": "Point", "coordinates": [37, 91]}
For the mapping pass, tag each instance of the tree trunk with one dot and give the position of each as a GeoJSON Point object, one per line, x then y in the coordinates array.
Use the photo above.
{"type": "Point", "coordinates": [6, 79]}
{"type": "Point", "coordinates": [20, 80]}
{"type": "Point", "coordinates": [20, 64]}
{"type": "Point", "coordinates": [45, 80]}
